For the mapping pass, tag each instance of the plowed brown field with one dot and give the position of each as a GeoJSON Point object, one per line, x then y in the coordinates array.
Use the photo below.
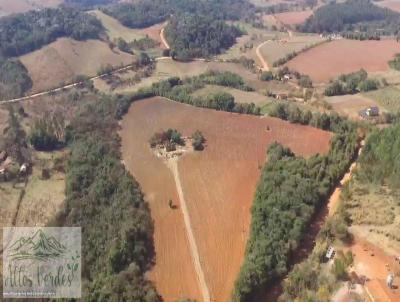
{"type": "Point", "coordinates": [329, 60]}
{"type": "Point", "coordinates": [218, 185]}
{"type": "Point", "coordinates": [293, 18]}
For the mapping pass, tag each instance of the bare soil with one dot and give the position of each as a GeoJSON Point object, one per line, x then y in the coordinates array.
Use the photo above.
{"type": "Point", "coordinates": [293, 18]}
{"type": "Point", "coordinates": [218, 185]}
{"type": "Point", "coordinates": [329, 60]}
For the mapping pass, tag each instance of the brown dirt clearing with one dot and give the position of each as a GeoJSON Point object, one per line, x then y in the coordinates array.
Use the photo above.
{"type": "Point", "coordinates": [218, 185]}
{"type": "Point", "coordinates": [329, 60]}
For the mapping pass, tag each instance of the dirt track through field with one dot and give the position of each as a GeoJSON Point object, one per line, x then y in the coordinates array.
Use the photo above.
{"type": "Point", "coordinates": [264, 63]}
{"type": "Point", "coordinates": [173, 165]}
{"type": "Point", "coordinates": [163, 40]}
{"type": "Point", "coordinates": [218, 185]}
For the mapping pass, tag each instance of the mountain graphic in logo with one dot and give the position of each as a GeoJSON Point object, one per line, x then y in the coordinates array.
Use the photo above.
{"type": "Point", "coordinates": [36, 247]}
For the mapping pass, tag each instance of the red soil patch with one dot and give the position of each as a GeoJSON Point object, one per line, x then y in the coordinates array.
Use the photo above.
{"type": "Point", "coordinates": [154, 33]}
{"type": "Point", "coordinates": [392, 4]}
{"type": "Point", "coordinates": [218, 185]}
{"type": "Point", "coordinates": [373, 263]}
{"type": "Point", "coordinates": [329, 60]}
{"type": "Point", "coordinates": [293, 18]}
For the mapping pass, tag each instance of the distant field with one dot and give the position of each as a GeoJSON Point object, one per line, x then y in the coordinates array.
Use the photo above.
{"type": "Point", "coordinates": [116, 30]}
{"type": "Point", "coordinates": [253, 38]}
{"type": "Point", "coordinates": [293, 18]}
{"type": "Point", "coordinates": [62, 60]}
{"type": "Point", "coordinates": [392, 4]}
{"type": "Point", "coordinates": [240, 95]}
{"type": "Point", "coordinates": [167, 68]}
{"type": "Point", "coordinates": [19, 6]}
{"type": "Point", "coordinates": [350, 105]}
{"type": "Point", "coordinates": [388, 97]}
{"type": "Point", "coordinates": [218, 185]}
{"type": "Point", "coordinates": [275, 50]}
{"type": "Point", "coordinates": [329, 60]}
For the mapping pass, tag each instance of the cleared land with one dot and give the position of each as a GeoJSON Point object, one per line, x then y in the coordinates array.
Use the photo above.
{"type": "Point", "coordinates": [65, 58]}
{"type": "Point", "coordinates": [329, 60]}
{"type": "Point", "coordinates": [116, 30]}
{"type": "Point", "coordinates": [218, 184]}
{"type": "Point", "coordinates": [276, 50]}
{"type": "Point", "coordinates": [19, 6]}
{"type": "Point", "coordinates": [167, 67]}
{"type": "Point", "coordinates": [240, 95]}
{"type": "Point", "coordinates": [392, 4]}
{"type": "Point", "coordinates": [350, 105]}
{"type": "Point", "coordinates": [293, 18]}
{"type": "Point", "coordinates": [246, 45]}
{"type": "Point", "coordinates": [388, 97]}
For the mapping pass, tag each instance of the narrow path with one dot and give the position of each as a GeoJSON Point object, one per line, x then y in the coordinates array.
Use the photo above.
{"type": "Point", "coordinates": [173, 165]}
{"type": "Point", "coordinates": [164, 41]}
{"type": "Point", "coordinates": [264, 64]}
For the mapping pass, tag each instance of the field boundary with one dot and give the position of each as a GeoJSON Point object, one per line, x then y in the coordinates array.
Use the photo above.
{"type": "Point", "coordinates": [173, 165]}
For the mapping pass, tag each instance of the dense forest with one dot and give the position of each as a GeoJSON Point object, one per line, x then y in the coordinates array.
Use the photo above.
{"type": "Point", "coordinates": [104, 199]}
{"type": "Point", "coordinates": [146, 13]}
{"type": "Point", "coordinates": [353, 15]}
{"type": "Point", "coordinates": [14, 79]}
{"type": "Point", "coordinates": [380, 162]}
{"type": "Point", "coordinates": [23, 33]}
{"type": "Point", "coordinates": [289, 192]}
{"type": "Point", "coordinates": [199, 36]}
{"type": "Point", "coordinates": [88, 3]}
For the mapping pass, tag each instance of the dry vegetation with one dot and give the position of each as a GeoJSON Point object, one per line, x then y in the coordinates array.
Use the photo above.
{"type": "Point", "coordinates": [375, 214]}
{"type": "Point", "coordinates": [350, 105]}
{"type": "Point", "coordinates": [61, 61]}
{"type": "Point", "coordinates": [169, 68]}
{"type": "Point", "coordinates": [276, 50]}
{"type": "Point", "coordinates": [116, 30]}
{"type": "Point", "coordinates": [388, 97]}
{"type": "Point", "coordinates": [329, 60]}
{"type": "Point", "coordinates": [218, 184]}
{"type": "Point", "coordinates": [293, 18]}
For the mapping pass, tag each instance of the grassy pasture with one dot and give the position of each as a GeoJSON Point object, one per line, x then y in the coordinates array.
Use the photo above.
{"type": "Point", "coordinates": [276, 50]}
{"type": "Point", "coordinates": [388, 97]}
{"type": "Point", "coordinates": [62, 60]}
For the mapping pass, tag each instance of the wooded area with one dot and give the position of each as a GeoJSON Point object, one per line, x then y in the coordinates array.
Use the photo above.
{"type": "Point", "coordinates": [23, 33]}
{"type": "Point", "coordinates": [351, 16]}
{"type": "Point", "coordinates": [104, 199]}
{"type": "Point", "coordinates": [290, 191]}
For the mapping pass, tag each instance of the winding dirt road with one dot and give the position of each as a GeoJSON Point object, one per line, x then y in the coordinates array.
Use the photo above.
{"type": "Point", "coordinates": [173, 165]}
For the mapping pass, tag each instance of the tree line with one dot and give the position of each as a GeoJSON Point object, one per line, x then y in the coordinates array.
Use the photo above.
{"type": "Point", "coordinates": [181, 91]}
{"type": "Point", "coordinates": [146, 13]}
{"type": "Point", "coordinates": [26, 32]}
{"type": "Point", "coordinates": [351, 83]}
{"type": "Point", "coordinates": [107, 202]}
{"type": "Point", "coordinates": [290, 191]}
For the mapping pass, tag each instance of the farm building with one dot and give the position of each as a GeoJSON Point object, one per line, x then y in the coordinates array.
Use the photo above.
{"type": "Point", "coordinates": [369, 112]}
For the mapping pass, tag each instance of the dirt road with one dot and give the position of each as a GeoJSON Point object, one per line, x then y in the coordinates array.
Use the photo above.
{"type": "Point", "coordinates": [164, 41]}
{"type": "Point", "coordinates": [173, 165]}
{"type": "Point", "coordinates": [264, 64]}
